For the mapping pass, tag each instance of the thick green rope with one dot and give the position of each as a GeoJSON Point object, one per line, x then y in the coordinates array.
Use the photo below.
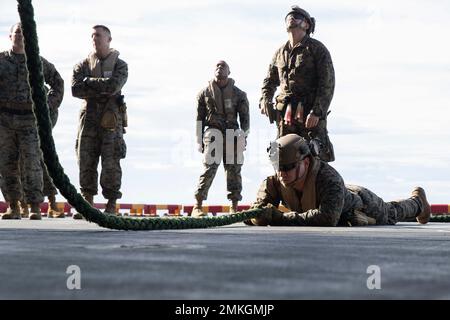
{"type": "Point", "coordinates": [60, 179]}
{"type": "Point", "coordinates": [440, 218]}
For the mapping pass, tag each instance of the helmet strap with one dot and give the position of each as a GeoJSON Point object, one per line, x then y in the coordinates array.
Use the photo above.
{"type": "Point", "coordinates": [297, 171]}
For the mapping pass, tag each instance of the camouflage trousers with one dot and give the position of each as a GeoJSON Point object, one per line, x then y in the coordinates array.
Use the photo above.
{"type": "Point", "coordinates": [320, 132]}
{"type": "Point", "coordinates": [385, 213]}
{"type": "Point", "coordinates": [232, 171]}
{"type": "Point", "coordinates": [19, 140]}
{"type": "Point", "coordinates": [49, 188]}
{"type": "Point", "coordinates": [94, 142]}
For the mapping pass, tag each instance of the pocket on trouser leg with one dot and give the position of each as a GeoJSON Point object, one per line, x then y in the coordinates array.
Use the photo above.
{"type": "Point", "coordinates": [109, 120]}
{"type": "Point", "coordinates": [327, 151]}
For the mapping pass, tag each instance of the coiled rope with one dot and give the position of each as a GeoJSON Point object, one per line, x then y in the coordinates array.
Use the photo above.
{"type": "Point", "coordinates": [62, 181]}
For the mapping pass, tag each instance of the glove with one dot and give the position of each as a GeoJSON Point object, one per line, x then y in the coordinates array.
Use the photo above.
{"type": "Point", "coordinates": [292, 218]}
{"type": "Point", "coordinates": [270, 213]}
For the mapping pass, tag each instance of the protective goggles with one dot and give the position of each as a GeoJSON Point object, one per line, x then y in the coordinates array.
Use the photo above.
{"type": "Point", "coordinates": [297, 16]}
{"type": "Point", "coordinates": [285, 167]}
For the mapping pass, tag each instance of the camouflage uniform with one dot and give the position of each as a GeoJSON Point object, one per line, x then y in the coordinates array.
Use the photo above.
{"type": "Point", "coordinates": [101, 125]}
{"type": "Point", "coordinates": [21, 157]}
{"type": "Point", "coordinates": [334, 202]}
{"type": "Point", "coordinates": [305, 75]}
{"type": "Point", "coordinates": [49, 188]}
{"type": "Point", "coordinates": [213, 118]}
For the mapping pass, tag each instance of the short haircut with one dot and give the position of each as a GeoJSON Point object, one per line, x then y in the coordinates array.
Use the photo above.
{"type": "Point", "coordinates": [105, 28]}
{"type": "Point", "coordinates": [14, 25]}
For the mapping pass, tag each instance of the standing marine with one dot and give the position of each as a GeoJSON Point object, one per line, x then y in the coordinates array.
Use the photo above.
{"type": "Point", "coordinates": [98, 80]}
{"type": "Point", "coordinates": [303, 70]}
{"type": "Point", "coordinates": [22, 170]}
{"type": "Point", "coordinates": [220, 136]}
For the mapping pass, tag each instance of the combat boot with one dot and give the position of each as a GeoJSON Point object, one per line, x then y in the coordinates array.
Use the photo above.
{"type": "Point", "coordinates": [53, 211]}
{"type": "Point", "coordinates": [424, 216]}
{"type": "Point", "coordinates": [35, 212]}
{"type": "Point", "coordinates": [89, 199]}
{"type": "Point", "coordinates": [110, 207]}
{"type": "Point", "coordinates": [13, 212]}
{"type": "Point", "coordinates": [197, 210]}
{"type": "Point", "coordinates": [24, 212]}
{"type": "Point", "coordinates": [234, 206]}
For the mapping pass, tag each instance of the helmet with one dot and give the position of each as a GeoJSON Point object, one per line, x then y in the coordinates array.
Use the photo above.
{"type": "Point", "coordinates": [287, 151]}
{"type": "Point", "coordinates": [305, 14]}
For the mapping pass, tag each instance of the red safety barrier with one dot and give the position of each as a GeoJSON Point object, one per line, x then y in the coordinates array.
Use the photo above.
{"type": "Point", "coordinates": [177, 209]}
{"type": "Point", "coordinates": [440, 209]}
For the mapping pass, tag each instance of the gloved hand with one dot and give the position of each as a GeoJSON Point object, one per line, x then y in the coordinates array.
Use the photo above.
{"type": "Point", "coordinates": [270, 213]}
{"type": "Point", "coordinates": [292, 218]}
{"type": "Point", "coordinates": [274, 211]}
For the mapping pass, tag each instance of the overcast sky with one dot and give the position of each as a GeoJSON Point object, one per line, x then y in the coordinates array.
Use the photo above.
{"type": "Point", "coordinates": [390, 113]}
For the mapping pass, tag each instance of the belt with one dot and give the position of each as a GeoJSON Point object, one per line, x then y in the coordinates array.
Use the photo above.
{"type": "Point", "coordinates": [16, 107]}
{"type": "Point", "coordinates": [16, 111]}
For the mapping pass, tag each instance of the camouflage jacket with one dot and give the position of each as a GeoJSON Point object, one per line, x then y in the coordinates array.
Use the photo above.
{"type": "Point", "coordinates": [98, 91]}
{"type": "Point", "coordinates": [14, 87]}
{"type": "Point", "coordinates": [305, 74]}
{"type": "Point", "coordinates": [334, 203]}
{"type": "Point", "coordinates": [208, 114]}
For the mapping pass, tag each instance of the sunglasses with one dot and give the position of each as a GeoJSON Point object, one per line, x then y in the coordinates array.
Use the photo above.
{"type": "Point", "coordinates": [297, 16]}
{"type": "Point", "coordinates": [285, 167]}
